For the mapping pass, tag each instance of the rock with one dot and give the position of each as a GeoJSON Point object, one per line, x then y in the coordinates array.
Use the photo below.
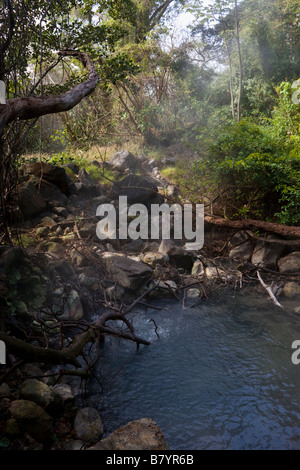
{"type": "Point", "coordinates": [125, 271]}
{"type": "Point", "coordinates": [78, 259]}
{"type": "Point", "coordinates": [88, 424]}
{"type": "Point", "coordinates": [242, 252]}
{"type": "Point", "coordinates": [115, 292]}
{"type": "Point", "coordinates": [21, 308]}
{"type": "Point", "coordinates": [290, 263]}
{"type": "Point", "coordinates": [134, 246]}
{"type": "Point", "coordinates": [73, 310]}
{"type": "Point", "coordinates": [193, 293]}
{"type": "Point", "coordinates": [143, 434]}
{"type": "Point", "coordinates": [47, 222]}
{"type": "Point", "coordinates": [42, 395]}
{"type": "Point", "coordinates": [63, 268]}
{"type": "Point", "coordinates": [266, 254]}
{"type": "Point", "coordinates": [291, 289]}
{"type": "Point", "coordinates": [166, 245]}
{"type": "Point", "coordinates": [137, 188]}
{"type": "Point", "coordinates": [181, 258]}
{"type": "Point", "coordinates": [30, 201]}
{"type": "Point", "coordinates": [215, 273]}
{"type": "Point", "coordinates": [61, 211]}
{"type": "Point", "coordinates": [4, 390]}
{"type": "Point", "coordinates": [12, 428]}
{"type": "Point", "coordinates": [172, 190]}
{"type": "Point", "coordinates": [42, 231]}
{"type": "Point", "coordinates": [49, 172]}
{"type": "Point", "coordinates": [297, 309]}
{"type": "Point", "coordinates": [152, 258]}
{"type": "Point", "coordinates": [77, 444]}
{"type": "Point", "coordinates": [240, 237]}
{"type": "Point", "coordinates": [85, 178]}
{"type": "Point", "coordinates": [65, 392]}
{"type": "Point", "coordinates": [51, 193]}
{"type": "Point", "coordinates": [153, 246]}
{"type": "Point", "coordinates": [33, 419]}
{"type": "Point", "coordinates": [124, 160]}
{"type": "Point", "coordinates": [164, 289]}
{"type": "Point", "coordinates": [198, 268]}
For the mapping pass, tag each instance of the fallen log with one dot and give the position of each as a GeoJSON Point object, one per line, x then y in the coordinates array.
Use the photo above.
{"type": "Point", "coordinates": [249, 224]}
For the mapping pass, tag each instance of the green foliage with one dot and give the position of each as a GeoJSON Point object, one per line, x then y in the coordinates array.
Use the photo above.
{"type": "Point", "coordinates": [257, 166]}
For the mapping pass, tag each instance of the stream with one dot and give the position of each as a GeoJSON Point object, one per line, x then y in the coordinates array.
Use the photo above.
{"type": "Point", "coordinates": [219, 376]}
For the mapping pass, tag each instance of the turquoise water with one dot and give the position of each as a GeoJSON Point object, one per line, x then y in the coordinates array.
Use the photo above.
{"type": "Point", "coordinates": [220, 376]}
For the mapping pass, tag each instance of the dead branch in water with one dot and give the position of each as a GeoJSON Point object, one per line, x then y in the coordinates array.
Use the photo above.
{"type": "Point", "coordinates": [269, 290]}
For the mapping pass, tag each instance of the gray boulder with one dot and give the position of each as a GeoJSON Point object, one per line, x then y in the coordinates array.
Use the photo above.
{"type": "Point", "coordinates": [242, 252]}
{"type": "Point", "coordinates": [143, 434]}
{"type": "Point", "coordinates": [31, 202]}
{"type": "Point", "coordinates": [127, 272]}
{"type": "Point", "coordinates": [124, 160]}
{"type": "Point", "coordinates": [41, 394]}
{"type": "Point", "coordinates": [136, 188]}
{"type": "Point", "coordinates": [152, 258]}
{"type": "Point", "coordinates": [47, 171]}
{"type": "Point", "coordinates": [88, 425]}
{"type": "Point", "coordinates": [266, 255]}
{"type": "Point", "coordinates": [33, 419]}
{"type": "Point", "coordinates": [290, 263]}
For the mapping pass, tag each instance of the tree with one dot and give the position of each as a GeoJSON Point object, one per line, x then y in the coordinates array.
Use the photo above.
{"type": "Point", "coordinates": [31, 32]}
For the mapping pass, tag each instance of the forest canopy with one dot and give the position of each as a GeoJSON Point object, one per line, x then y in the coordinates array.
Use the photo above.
{"type": "Point", "coordinates": [219, 94]}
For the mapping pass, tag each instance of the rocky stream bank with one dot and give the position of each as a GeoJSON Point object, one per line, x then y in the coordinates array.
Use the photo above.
{"type": "Point", "coordinates": [60, 275]}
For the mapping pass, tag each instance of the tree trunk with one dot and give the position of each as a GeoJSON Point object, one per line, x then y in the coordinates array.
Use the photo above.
{"type": "Point", "coordinates": [36, 106]}
{"type": "Point", "coordinates": [278, 229]}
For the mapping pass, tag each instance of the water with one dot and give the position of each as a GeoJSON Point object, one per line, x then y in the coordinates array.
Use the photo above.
{"type": "Point", "coordinates": [219, 376]}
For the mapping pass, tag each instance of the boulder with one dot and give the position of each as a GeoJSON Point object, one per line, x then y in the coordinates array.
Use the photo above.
{"type": "Point", "coordinates": [61, 211]}
{"type": "Point", "coordinates": [85, 178]}
{"type": "Point", "coordinates": [153, 258]}
{"type": "Point", "coordinates": [47, 171]}
{"type": "Point", "coordinates": [198, 268]}
{"type": "Point", "coordinates": [31, 202]}
{"type": "Point", "coordinates": [128, 273]}
{"type": "Point", "coordinates": [242, 252]}
{"type": "Point", "coordinates": [43, 395]}
{"type": "Point", "coordinates": [33, 419]}
{"type": "Point", "coordinates": [240, 237]}
{"type": "Point", "coordinates": [181, 258]}
{"type": "Point", "coordinates": [134, 246]}
{"type": "Point", "coordinates": [88, 425]}
{"type": "Point", "coordinates": [291, 289]}
{"type": "Point", "coordinates": [143, 434]}
{"type": "Point", "coordinates": [124, 160]}
{"type": "Point", "coordinates": [51, 193]}
{"type": "Point", "coordinates": [65, 392]}
{"type": "Point", "coordinates": [73, 310]}
{"type": "Point", "coordinates": [152, 246]}
{"type": "Point", "coordinates": [138, 189]}
{"type": "Point", "coordinates": [213, 272]}
{"type": "Point", "coordinates": [290, 263]}
{"type": "Point", "coordinates": [164, 289]}
{"type": "Point", "coordinates": [266, 255]}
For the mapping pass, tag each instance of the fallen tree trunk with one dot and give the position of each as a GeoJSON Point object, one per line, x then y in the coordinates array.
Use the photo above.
{"type": "Point", "coordinates": [249, 224]}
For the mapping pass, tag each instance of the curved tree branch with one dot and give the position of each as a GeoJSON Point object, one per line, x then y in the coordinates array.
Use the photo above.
{"type": "Point", "coordinates": [36, 106]}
